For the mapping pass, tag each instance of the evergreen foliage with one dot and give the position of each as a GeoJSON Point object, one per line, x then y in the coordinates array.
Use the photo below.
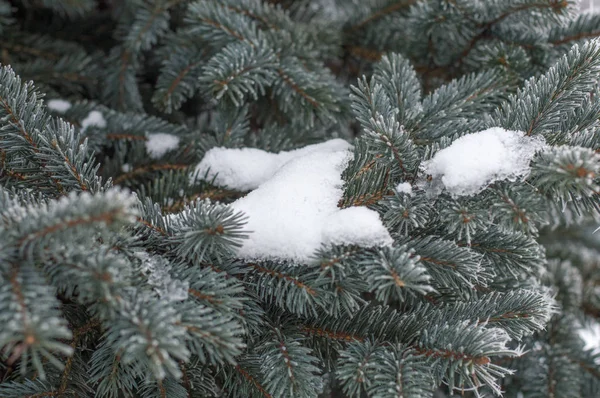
{"type": "Point", "coordinates": [118, 272]}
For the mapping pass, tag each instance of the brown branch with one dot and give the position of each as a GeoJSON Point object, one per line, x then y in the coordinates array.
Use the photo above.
{"type": "Point", "coordinates": [439, 262]}
{"type": "Point", "coordinates": [253, 16]}
{"type": "Point", "coordinates": [338, 259]}
{"type": "Point", "coordinates": [126, 56]}
{"type": "Point", "coordinates": [107, 217]}
{"type": "Point", "coordinates": [180, 77]}
{"type": "Point", "coordinates": [297, 89]}
{"type": "Point", "coordinates": [223, 83]}
{"type": "Point", "coordinates": [64, 380]}
{"type": "Point", "coordinates": [519, 214]}
{"type": "Point", "coordinates": [397, 156]}
{"type": "Point", "coordinates": [28, 50]}
{"type": "Point", "coordinates": [151, 226]}
{"type": "Point", "coordinates": [43, 394]}
{"type": "Point", "coordinates": [203, 296]}
{"type": "Point", "coordinates": [579, 36]}
{"type": "Point", "coordinates": [453, 355]}
{"type": "Point", "coordinates": [505, 316]}
{"type": "Point", "coordinates": [315, 331]}
{"type": "Point", "coordinates": [148, 169]}
{"type": "Point", "coordinates": [366, 199]}
{"type": "Point", "coordinates": [383, 12]}
{"type": "Point", "coordinates": [432, 353]}
{"type": "Point", "coordinates": [590, 369]}
{"type": "Point", "coordinates": [226, 29]}
{"type": "Point", "coordinates": [399, 282]}
{"type": "Point", "coordinates": [29, 338]}
{"type": "Point", "coordinates": [484, 28]}
{"type": "Point", "coordinates": [131, 137]}
{"type": "Point", "coordinates": [72, 167]}
{"type": "Point", "coordinates": [161, 389]}
{"type": "Point", "coordinates": [215, 195]}
{"type": "Point", "coordinates": [69, 365]}
{"type": "Point", "coordinates": [287, 360]}
{"type": "Point", "coordinates": [254, 382]}
{"type": "Point", "coordinates": [17, 122]}
{"type": "Point", "coordinates": [185, 379]}
{"type": "Point", "coordinates": [288, 278]}
{"type": "Point", "coordinates": [367, 167]}
{"type": "Point", "coordinates": [365, 53]}
{"type": "Point", "coordinates": [4, 170]}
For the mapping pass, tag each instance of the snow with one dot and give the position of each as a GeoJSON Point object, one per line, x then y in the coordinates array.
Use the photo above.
{"type": "Point", "coordinates": [590, 334]}
{"type": "Point", "coordinates": [404, 187]}
{"type": "Point", "coordinates": [93, 119]}
{"type": "Point", "coordinates": [245, 169]}
{"type": "Point", "coordinates": [356, 225]}
{"type": "Point", "coordinates": [475, 160]}
{"type": "Point", "coordinates": [590, 6]}
{"type": "Point", "coordinates": [58, 105]}
{"type": "Point", "coordinates": [160, 143]}
{"type": "Point", "coordinates": [293, 210]}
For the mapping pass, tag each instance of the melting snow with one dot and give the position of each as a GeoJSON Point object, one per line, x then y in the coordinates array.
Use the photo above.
{"type": "Point", "coordinates": [58, 105]}
{"type": "Point", "coordinates": [160, 143]}
{"type": "Point", "coordinates": [475, 160]}
{"type": "Point", "coordinates": [293, 210]}
{"type": "Point", "coordinates": [94, 118]}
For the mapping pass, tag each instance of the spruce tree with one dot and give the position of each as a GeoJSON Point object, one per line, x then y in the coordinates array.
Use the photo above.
{"type": "Point", "coordinates": [299, 198]}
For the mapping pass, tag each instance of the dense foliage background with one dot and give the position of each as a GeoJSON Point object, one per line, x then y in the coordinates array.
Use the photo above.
{"type": "Point", "coordinates": [119, 273]}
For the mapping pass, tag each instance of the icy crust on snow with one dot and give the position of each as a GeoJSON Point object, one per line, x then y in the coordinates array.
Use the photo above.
{"type": "Point", "coordinates": [245, 169]}
{"type": "Point", "coordinates": [58, 105]}
{"type": "Point", "coordinates": [475, 160]}
{"type": "Point", "coordinates": [293, 211]}
{"type": "Point", "coordinates": [158, 144]}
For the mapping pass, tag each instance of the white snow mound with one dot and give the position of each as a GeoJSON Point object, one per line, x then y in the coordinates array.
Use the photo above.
{"type": "Point", "coordinates": [93, 119]}
{"type": "Point", "coordinates": [590, 334]}
{"type": "Point", "coordinates": [158, 144]}
{"type": "Point", "coordinates": [475, 160]}
{"type": "Point", "coordinates": [245, 169]}
{"type": "Point", "coordinates": [293, 210]}
{"type": "Point", "coordinates": [58, 105]}
{"type": "Point", "coordinates": [404, 187]}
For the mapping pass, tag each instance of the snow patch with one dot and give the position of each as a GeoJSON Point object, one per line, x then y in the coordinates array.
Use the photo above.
{"type": "Point", "coordinates": [293, 211]}
{"type": "Point", "coordinates": [475, 160]}
{"type": "Point", "coordinates": [160, 143]}
{"type": "Point", "coordinates": [404, 187]}
{"type": "Point", "coordinates": [93, 119]}
{"type": "Point", "coordinates": [356, 225]}
{"type": "Point", "coordinates": [58, 105]}
{"type": "Point", "coordinates": [245, 169]}
{"type": "Point", "coordinates": [590, 334]}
